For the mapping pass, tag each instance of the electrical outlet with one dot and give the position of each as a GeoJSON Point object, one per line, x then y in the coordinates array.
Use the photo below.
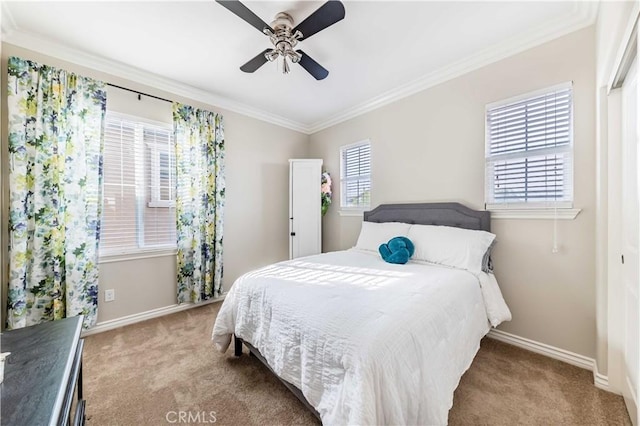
{"type": "Point", "coordinates": [109, 295]}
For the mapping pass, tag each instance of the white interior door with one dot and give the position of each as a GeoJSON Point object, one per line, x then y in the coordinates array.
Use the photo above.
{"type": "Point", "coordinates": [305, 216]}
{"type": "Point", "coordinates": [631, 239]}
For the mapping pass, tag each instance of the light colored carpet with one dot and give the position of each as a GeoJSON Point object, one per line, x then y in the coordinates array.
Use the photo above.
{"type": "Point", "coordinates": [150, 372]}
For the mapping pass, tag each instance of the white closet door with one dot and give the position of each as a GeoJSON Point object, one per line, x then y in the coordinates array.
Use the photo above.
{"type": "Point", "coordinates": [631, 239]}
{"type": "Point", "coordinates": [305, 216]}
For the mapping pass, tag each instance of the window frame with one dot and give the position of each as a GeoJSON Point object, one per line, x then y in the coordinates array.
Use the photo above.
{"type": "Point", "coordinates": [343, 181]}
{"type": "Point", "coordinates": [155, 151]}
{"type": "Point", "coordinates": [142, 251]}
{"type": "Point", "coordinates": [529, 209]}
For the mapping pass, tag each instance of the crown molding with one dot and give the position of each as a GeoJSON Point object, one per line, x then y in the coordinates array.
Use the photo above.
{"type": "Point", "coordinates": [118, 69]}
{"type": "Point", "coordinates": [584, 14]}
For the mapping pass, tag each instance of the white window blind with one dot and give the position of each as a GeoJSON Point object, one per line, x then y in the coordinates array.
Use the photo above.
{"type": "Point", "coordinates": [355, 175]}
{"type": "Point", "coordinates": [139, 181]}
{"type": "Point", "coordinates": [529, 150]}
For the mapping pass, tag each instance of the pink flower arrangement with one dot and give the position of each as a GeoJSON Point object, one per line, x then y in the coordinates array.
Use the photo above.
{"type": "Point", "coordinates": [325, 192]}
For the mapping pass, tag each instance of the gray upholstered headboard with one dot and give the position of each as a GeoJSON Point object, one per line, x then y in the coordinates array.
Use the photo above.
{"type": "Point", "coordinates": [446, 214]}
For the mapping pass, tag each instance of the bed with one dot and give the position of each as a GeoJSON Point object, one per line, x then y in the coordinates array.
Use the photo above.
{"type": "Point", "coordinates": [362, 341]}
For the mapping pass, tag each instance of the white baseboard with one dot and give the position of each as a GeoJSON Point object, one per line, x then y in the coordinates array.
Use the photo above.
{"type": "Point", "coordinates": [599, 380]}
{"type": "Point", "coordinates": [143, 316]}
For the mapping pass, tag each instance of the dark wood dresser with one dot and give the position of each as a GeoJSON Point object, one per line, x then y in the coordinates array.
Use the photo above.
{"type": "Point", "coordinates": [43, 375]}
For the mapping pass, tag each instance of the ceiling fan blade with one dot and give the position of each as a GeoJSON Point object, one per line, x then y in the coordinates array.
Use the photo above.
{"type": "Point", "coordinates": [312, 67]}
{"type": "Point", "coordinates": [256, 62]}
{"type": "Point", "coordinates": [243, 12]}
{"type": "Point", "coordinates": [327, 15]}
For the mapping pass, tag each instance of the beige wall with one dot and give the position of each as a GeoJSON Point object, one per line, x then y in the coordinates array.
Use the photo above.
{"type": "Point", "coordinates": [427, 147]}
{"type": "Point", "coordinates": [256, 225]}
{"type": "Point", "coordinates": [430, 147]}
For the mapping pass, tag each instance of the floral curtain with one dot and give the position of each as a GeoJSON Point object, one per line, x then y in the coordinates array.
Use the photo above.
{"type": "Point", "coordinates": [55, 178]}
{"type": "Point", "coordinates": [199, 202]}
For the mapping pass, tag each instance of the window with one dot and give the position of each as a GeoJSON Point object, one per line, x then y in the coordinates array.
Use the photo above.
{"type": "Point", "coordinates": [355, 175]}
{"type": "Point", "coordinates": [529, 150]}
{"type": "Point", "coordinates": [139, 193]}
{"type": "Point", "coordinates": [162, 173]}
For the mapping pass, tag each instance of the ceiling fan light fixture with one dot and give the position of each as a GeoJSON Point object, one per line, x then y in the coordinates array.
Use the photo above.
{"type": "Point", "coordinates": [294, 56]}
{"type": "Point", "coordinates": [272, 55]}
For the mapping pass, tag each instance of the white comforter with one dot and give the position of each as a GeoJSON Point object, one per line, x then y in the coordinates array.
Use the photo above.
{"type": "Point", "coordinates": [367, 342]}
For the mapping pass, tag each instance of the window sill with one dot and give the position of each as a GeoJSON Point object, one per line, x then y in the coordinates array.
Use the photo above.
{"type": "Point", "coordinates": [138, 254]}
{"type": "Point", "coordinates": [352, 213]}
{"type": "Point", "coordinates": [562, 214]}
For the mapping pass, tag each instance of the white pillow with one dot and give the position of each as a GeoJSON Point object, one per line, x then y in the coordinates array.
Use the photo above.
{"type": "Point", "coordinates": [373, 234]}
{"type": "Point", "coordinates": [446, 245]}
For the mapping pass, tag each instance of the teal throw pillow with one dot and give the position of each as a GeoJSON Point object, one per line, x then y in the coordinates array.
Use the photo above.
{"type": "Point", "coordinates": [398, 250]}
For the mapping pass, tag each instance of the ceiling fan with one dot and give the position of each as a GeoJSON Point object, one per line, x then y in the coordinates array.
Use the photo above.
{"type": "Point", "coordinates": [284, 36]}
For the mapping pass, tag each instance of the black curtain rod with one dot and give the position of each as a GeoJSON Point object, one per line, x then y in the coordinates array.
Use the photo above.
{"type": "Point", "coordinates": [139, 93]}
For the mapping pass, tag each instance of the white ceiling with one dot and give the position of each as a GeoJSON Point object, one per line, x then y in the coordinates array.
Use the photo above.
{"type": "Point", "coordinates": [381, 51]}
